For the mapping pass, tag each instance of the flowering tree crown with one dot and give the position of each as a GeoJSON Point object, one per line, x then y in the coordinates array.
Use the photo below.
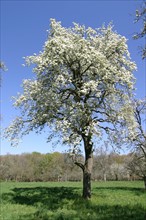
{"type": "Point", "coordinates": [82, 87]}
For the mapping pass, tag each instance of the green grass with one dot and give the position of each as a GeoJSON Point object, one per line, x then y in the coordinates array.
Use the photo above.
{"type": "Point", "coordinates": [62, 201]}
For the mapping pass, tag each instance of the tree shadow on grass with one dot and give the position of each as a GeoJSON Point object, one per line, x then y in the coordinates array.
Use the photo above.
{"type": "Point", "coordinates": [65, 203]}
{"type": "Point", "coordinates": [51, 197]}
{"type": "Point", "coordinates": [136, 191]}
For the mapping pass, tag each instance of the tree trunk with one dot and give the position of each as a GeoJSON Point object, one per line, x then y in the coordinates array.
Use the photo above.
{"type": "Point", "coordinates": [87, 168]}
{"type": "Point", "coordinates": [86, 185]}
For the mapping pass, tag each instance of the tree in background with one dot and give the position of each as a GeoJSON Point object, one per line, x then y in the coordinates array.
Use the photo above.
{"type": "Point", "coordinates": [140, 117]}
{"type": "Point", "coordinates": [43, 167]}
{"type": "Point", "coordinates": [38, 167]}
{"type": "Point", "coordinates": [82, 90]}
{"type": "Point", "coordinates": [101, 163]}
{"type": "Point", "coordinates": [136, 165]}
{"type": "Point", "coordinates": [137, 162]}
{"type": "Point", "coordinates": [141, 16]}
{"type": "Point", "coordinates": [136, 141]}
{"type": "Point", "coordinates": [139, 141]}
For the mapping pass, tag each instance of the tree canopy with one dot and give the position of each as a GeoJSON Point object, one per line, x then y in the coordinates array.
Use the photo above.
{"type": "Point", "coordinates": [82, 88]}
{"type": "Point", "coordinates": [83, 78]}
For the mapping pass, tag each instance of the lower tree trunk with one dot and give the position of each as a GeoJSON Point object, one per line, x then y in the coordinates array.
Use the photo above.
{"type": "Point", "coordinates": [86, 185]}
{"type": "Point", "coordinates": [87, 170]}
{"type": "Point", "coordinates": [86, 167]}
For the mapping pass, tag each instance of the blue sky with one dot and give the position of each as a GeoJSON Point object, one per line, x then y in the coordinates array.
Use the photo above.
{"type": "Point", "coordinates": [23, 32]}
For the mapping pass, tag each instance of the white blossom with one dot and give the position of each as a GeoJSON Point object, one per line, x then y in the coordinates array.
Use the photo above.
{"type": "Point", "coordinates": [83, 78]}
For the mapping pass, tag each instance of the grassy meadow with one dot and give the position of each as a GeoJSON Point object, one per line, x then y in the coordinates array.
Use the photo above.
{"type": "Point", "coordinates": [62, 201]}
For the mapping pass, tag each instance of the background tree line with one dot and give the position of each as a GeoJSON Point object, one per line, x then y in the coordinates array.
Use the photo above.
{"type": "Point", "coordinates": [60, 167]}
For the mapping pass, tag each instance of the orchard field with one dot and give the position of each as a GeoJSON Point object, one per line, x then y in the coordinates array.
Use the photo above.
{"type": "Point", "coordinates": [115, 200]}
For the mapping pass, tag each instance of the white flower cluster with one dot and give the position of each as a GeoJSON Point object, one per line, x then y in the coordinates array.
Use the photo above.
{"type": "Point", "coordinates": [83, 81]}
{"type": "Point", "coordinates": [13, 132]}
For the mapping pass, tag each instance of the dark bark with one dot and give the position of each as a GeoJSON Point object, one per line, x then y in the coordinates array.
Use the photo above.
{"type": "Point", "coordinates": [86, 185]}
{"type": "Point", "coordinates": [87, 167]}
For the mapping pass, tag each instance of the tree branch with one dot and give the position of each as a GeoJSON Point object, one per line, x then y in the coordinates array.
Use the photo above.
{"type": "Point", "coordinates": [79, 165]}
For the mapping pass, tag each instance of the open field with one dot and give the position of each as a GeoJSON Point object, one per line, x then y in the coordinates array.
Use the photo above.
{"type": "Point", "coordinates": [62, 201]}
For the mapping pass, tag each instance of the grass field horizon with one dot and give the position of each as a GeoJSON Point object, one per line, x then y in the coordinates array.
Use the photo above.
{"type": "Point", "coordinates": [111, 200]}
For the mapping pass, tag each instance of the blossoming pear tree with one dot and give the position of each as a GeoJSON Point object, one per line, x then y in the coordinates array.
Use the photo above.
{"type": "Point", "coordinates": [82, 89]}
